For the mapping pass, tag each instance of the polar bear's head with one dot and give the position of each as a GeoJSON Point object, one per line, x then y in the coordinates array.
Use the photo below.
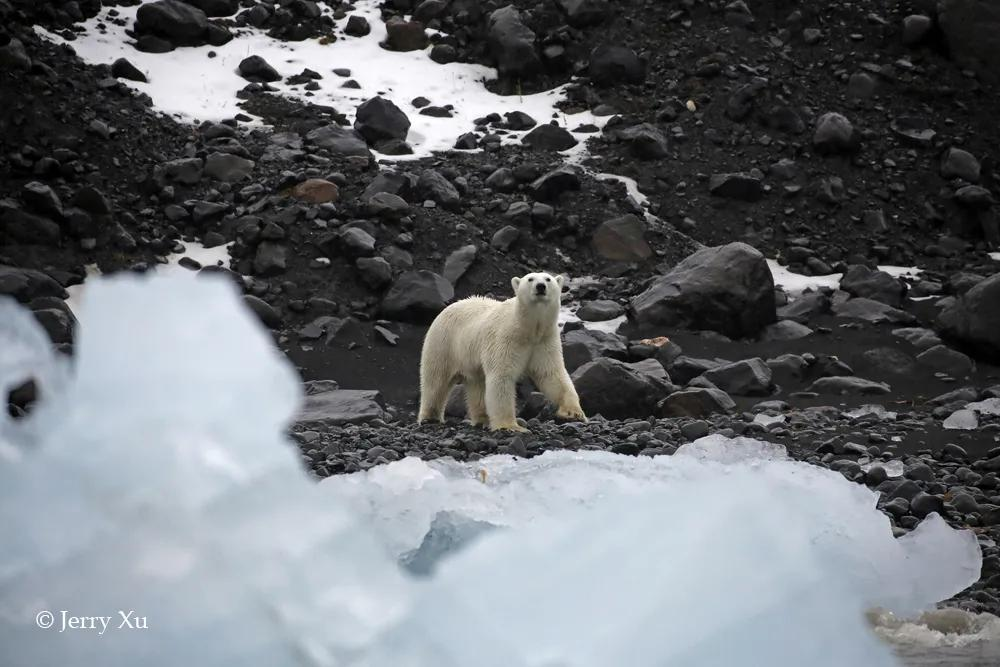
{"type": "Point", "coordinates": [538, 288]}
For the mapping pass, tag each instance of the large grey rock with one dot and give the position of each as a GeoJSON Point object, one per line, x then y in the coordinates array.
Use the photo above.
{"type": "Point", "coordinates": [550, 185]}
{"type": "Point", "coordinates": [379, 119]}
{"type": "Point", "coordinates": [405, 35]}
{"type": "Point", "coordinates": [58, 324]}
{"type": "Point", "coordinates": [613, 65]}
{"type": "Point", "coordinates": [387, 205]}
{"type": "Point", "coordinates": [42, 199]}
{"type": "Point", "coordinates": [459, 262]}
{"type": "Point", "coordinates": [182, 170]}
{"type": "Point", "coordinates": [339, 141]}
{"type": "Point", "coordinates": [727, 288]}
{"type": "Point", "coordinates": [956, 163]}
{"type": "Point", "coordinates": [655, 372]}
{"type": "Point", "coordinates": [173, 20]}
{"type": "Point", "coordinates": [943, 359]}
{"type": "Point", "coordinates": [599, 310]}
{"type": "Point", "coordinates": [622, 240]}
{"type": "Point", "coordinates": [270, 259]}
{"type": "Point", "coordinates": [915, 28]}
{"type": "Point", "coordinates": [14, 56]}
{"type": "Point", "coordinates": [434, 186]}
{"type": "Point", "coordinates": [973, 320]}
{"type": "Point", "coordinates": [402, 185]}
{"type": "Point", "coordinates": [787, 368]}
{"type": "Point", "coordinates": [615, 390]}
{"type": "Point", "coordinates": [695, 403]}
{"type": "Point", "coordinates": [584, 13]}
{"type": "Point", "coordinates": [255, 68]}
{"type": "Point", "coordinates": [512, 43]}
{"type": "Point", "coordinates": [749, 377]}
{"type": "Point", "coordinates": [227, 167]}
{"type": "Point", "coordinates": [549, 137]}
{"type": "Point", "coordinates": [581, 346]}
{"type": "Point", "coordinates": [919, 337]}
{"type": "Point", "coordinates": [861, 281]}
{"type": "Point", "coordinates": [785, 330]}
{"type": "Point", "coordinates": [805, 307]}
{"type": "Point", "coordinates": [340, 406]}
{"type": "Point", "coordinates": [20, 226]}
{"type": "Point", "coordinates": [264, 311]}
{"type": "Point", "coordinates": [27, 284]}
{"type": "Point", "coordinates": [872, 311]}
{"type": "Point", "coordinates": [834, 134]}
{"type": "Point", "coordinates": [972, 31]}
{"type": "Point", "coordinates": [645, 141]}
{"type": "Point", "coordinates": [417, 296]}
{"type": "Point", "coordinates": [742, 186]}
{"type": "Point", "coordinates": [356, 242]}
{"type": "Point", "coordinates": [684, 368]}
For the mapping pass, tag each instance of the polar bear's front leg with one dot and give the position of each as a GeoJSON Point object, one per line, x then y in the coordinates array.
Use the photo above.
{"type": "Point", "coordinates": [558, 388]}
{"type": "Point", "coordinates": [548, 372]}
{"type": "Point", "coordinates": [501, 404]}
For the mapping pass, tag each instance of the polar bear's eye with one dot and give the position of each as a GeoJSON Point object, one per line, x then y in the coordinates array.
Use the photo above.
{"type": "Point", "coordinates": [547, 279]}
{"type": "Point", "coordinates": [531, 280]}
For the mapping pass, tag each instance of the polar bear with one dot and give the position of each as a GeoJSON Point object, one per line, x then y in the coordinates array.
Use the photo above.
{"type": "Point", "coordinates": [489, 345]}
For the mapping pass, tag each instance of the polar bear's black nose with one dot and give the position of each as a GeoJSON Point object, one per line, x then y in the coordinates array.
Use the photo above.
{"type": "Point", "coordinates": [540, 288]}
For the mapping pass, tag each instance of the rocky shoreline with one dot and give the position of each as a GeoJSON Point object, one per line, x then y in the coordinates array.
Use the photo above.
{"type": "Point", "coordinates": [823, 140]}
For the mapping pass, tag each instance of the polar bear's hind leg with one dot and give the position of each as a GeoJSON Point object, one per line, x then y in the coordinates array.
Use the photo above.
{"type": "Point", "coordinates": [475, 400]}
{"type": "Point", "coordinates": [436, 378]}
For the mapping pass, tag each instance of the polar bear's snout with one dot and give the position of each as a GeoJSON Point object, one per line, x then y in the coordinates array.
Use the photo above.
{"type": "Point", "coordinates": [540, 289]}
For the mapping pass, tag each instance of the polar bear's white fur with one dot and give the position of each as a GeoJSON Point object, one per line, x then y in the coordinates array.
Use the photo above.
{"type": "Point", "coordinates": [489, 345]}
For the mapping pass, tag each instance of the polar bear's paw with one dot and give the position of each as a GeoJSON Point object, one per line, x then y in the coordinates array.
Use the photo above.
{"type": "Point", "coordinates": [510, 426]}
{"type": "Point", "coordinates": [572, 413]}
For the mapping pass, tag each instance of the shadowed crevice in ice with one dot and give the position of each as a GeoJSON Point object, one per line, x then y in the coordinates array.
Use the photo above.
{"type": "Point", "coordinates": [157, 477]}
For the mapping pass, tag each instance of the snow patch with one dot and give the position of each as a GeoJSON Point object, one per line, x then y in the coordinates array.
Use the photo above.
{"type": "Point", "coordinates": [568, 314]}
{"type": "Point", "coordinates": [214, 256]}
{"type": "Point", "coordinates": [795, 283]}
{"type": "Point", "coordinates": [192, 86]}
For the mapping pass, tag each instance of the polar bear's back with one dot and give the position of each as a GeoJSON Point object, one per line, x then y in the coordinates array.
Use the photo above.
{"type": "Point", "coordinates": [460, 332]}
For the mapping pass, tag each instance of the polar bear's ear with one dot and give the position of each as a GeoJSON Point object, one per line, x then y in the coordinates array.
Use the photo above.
{"type": "Point", "coordinates": [560, 279]}
{"type": "Point", "coordinates": [514, 282]}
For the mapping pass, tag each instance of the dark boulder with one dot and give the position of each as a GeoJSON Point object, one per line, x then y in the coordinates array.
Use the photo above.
{"type": "Point", "coordinates": [727, 288]}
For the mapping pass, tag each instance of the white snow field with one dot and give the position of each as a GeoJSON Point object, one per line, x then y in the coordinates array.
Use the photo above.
{"type": "Point", "coordinates": [155, 477]}
{"type": "Point", "coordinates": [191, 86]}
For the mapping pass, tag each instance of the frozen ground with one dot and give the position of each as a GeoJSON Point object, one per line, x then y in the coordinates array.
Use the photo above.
{"type": "Point", "coordinates": [191, 86]}
{"type": "Point", "coordinates": [179, 497]}
{"type": "Point", "coordinates": [796, 283]}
